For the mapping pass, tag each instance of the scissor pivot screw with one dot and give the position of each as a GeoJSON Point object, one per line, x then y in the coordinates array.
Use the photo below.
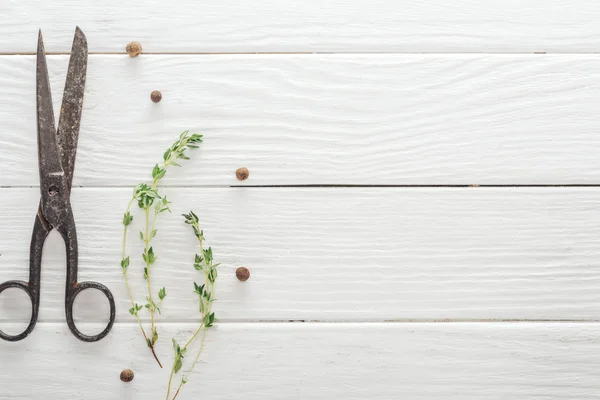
{"type": "Point", "coordinates": [53, 191]}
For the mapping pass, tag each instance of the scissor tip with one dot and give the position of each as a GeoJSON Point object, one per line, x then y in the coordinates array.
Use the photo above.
{"type": "Point", "coordinates": [40, 42]}
{"type": "Point", "coordinates": [80, 35]}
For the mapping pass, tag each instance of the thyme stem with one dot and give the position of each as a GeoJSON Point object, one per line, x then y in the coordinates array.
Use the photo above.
{"type": "Point", "coordinates": [193, 365]}
{"type": "Point", "coordinates": [146, 197]}
{"type": "Point", "coordinates": [203, 262]}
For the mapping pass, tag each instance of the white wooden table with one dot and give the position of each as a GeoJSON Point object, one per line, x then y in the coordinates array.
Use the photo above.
{"type": "Point", "coordinates": [470, 271]}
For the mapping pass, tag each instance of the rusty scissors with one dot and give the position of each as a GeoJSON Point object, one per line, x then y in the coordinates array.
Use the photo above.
{"type": "Point", "coordinates": [56, 157]}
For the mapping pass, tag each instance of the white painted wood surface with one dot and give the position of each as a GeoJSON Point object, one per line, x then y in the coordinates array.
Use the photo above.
{"type": "Point", "coordinates": [320, 361]}
{"type": "Point", "coordinates": [308, 25]}
{"type": "Point", "coordinates": [515, 270]}
{"type": "Point", "coordinates": [342, 254]}
{"type": "Point", "coordinates": [322, 119]}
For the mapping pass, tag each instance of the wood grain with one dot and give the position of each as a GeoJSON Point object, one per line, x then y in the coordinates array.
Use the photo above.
{"type": "Point", "coordinates": [355, 292]}
{"type": "Point", "coordinates": [317, 361]}
{"type": "Point", "coordinates": [334, 254]}
{"type": "Point", "coordinates": [307, 26]}
{"type": "Point", "coordinates": [321, 119]}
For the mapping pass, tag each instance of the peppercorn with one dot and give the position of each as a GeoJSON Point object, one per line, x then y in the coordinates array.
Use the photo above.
{"type": "Point", "coordinates": [242, 174]}
{"type": "Point", "coordinates": [156, 96]}
{"type": "Point", "coordinates": [242, 273]}
{"type": "Point", "coordinates": [133, 49]}
{"type": "Point", "coordinates": [127, 375]}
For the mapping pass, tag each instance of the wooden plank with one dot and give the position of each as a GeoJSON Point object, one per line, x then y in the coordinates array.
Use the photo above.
{"type": "Point", "coordinates": [307, 26]}
{"type": "Point", "coordinates": [345, 119]}
{"type": "Point", "coordinates": [317, 361]}
{"type": "Point", "coordinates": [332, 254]}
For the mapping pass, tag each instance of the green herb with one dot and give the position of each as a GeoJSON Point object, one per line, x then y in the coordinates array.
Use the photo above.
{"type": "Point", "coordinates": [205, 292]}
{"type": "Point", "coordinates": [152, 203]}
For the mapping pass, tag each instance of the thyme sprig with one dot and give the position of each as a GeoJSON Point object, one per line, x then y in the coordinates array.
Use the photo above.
{"type": "Point", "coordinates": [204, 263]}
{"type": "Point", "coordinates": [152, 203]}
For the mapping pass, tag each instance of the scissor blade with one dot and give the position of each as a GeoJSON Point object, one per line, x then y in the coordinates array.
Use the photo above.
{"type": "Point", "coordinates": [48, 155]}
{"type": "Point", "coordinates": [72, 104]}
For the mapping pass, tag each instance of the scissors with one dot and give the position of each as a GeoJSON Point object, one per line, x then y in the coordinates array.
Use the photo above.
{"type": "Point", "coordinates": [56, 157]}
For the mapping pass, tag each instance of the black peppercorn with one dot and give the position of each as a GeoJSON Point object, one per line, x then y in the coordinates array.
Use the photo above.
{"type": "Point", "coordinates": [242, 273]}
{"type": "Point", "coordinates": [242, 174]}
{"type": "Point", "coordinates": [156, 96]}
{"type": "Point", "coordinates": [133, 49]}
{"type": "Point", "coordinates": [127, 375]}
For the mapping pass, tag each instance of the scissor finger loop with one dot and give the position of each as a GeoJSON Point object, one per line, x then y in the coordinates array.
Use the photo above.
{"type": "Point", "coordinates": [70, 301]}
{"type": "Point", "coordinates": [24, 286]}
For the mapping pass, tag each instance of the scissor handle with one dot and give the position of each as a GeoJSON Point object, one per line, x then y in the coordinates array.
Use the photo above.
{"type": "Point", "coordinates": [33, 294]}
{"type": "Point", "coordinates": [70, 300]}
{"type": "Point", "coordinates": [32, 288]}
{"type": "Point", "coordinates": [66, 227]}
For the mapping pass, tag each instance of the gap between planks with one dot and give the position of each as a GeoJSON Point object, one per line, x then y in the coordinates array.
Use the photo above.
{"type": "Point", "coordinates": [534, 185]}
{"type": "Point", "coordinates": [258, 53]}
{"type": "Point", "coordinates": [333, 322]}
{"type": "Point", "coordinates": [337, 322]}
{"type": "Point", "coordinates": [374, 321]}
{"type": "Point", "coordinates": [334, 185]}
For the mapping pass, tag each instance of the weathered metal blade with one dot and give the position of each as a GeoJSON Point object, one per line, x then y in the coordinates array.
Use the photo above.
{"type": "Point", "coordinates": [72, 104]}
{"type": "Point", "coordinates": [48, 153]}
